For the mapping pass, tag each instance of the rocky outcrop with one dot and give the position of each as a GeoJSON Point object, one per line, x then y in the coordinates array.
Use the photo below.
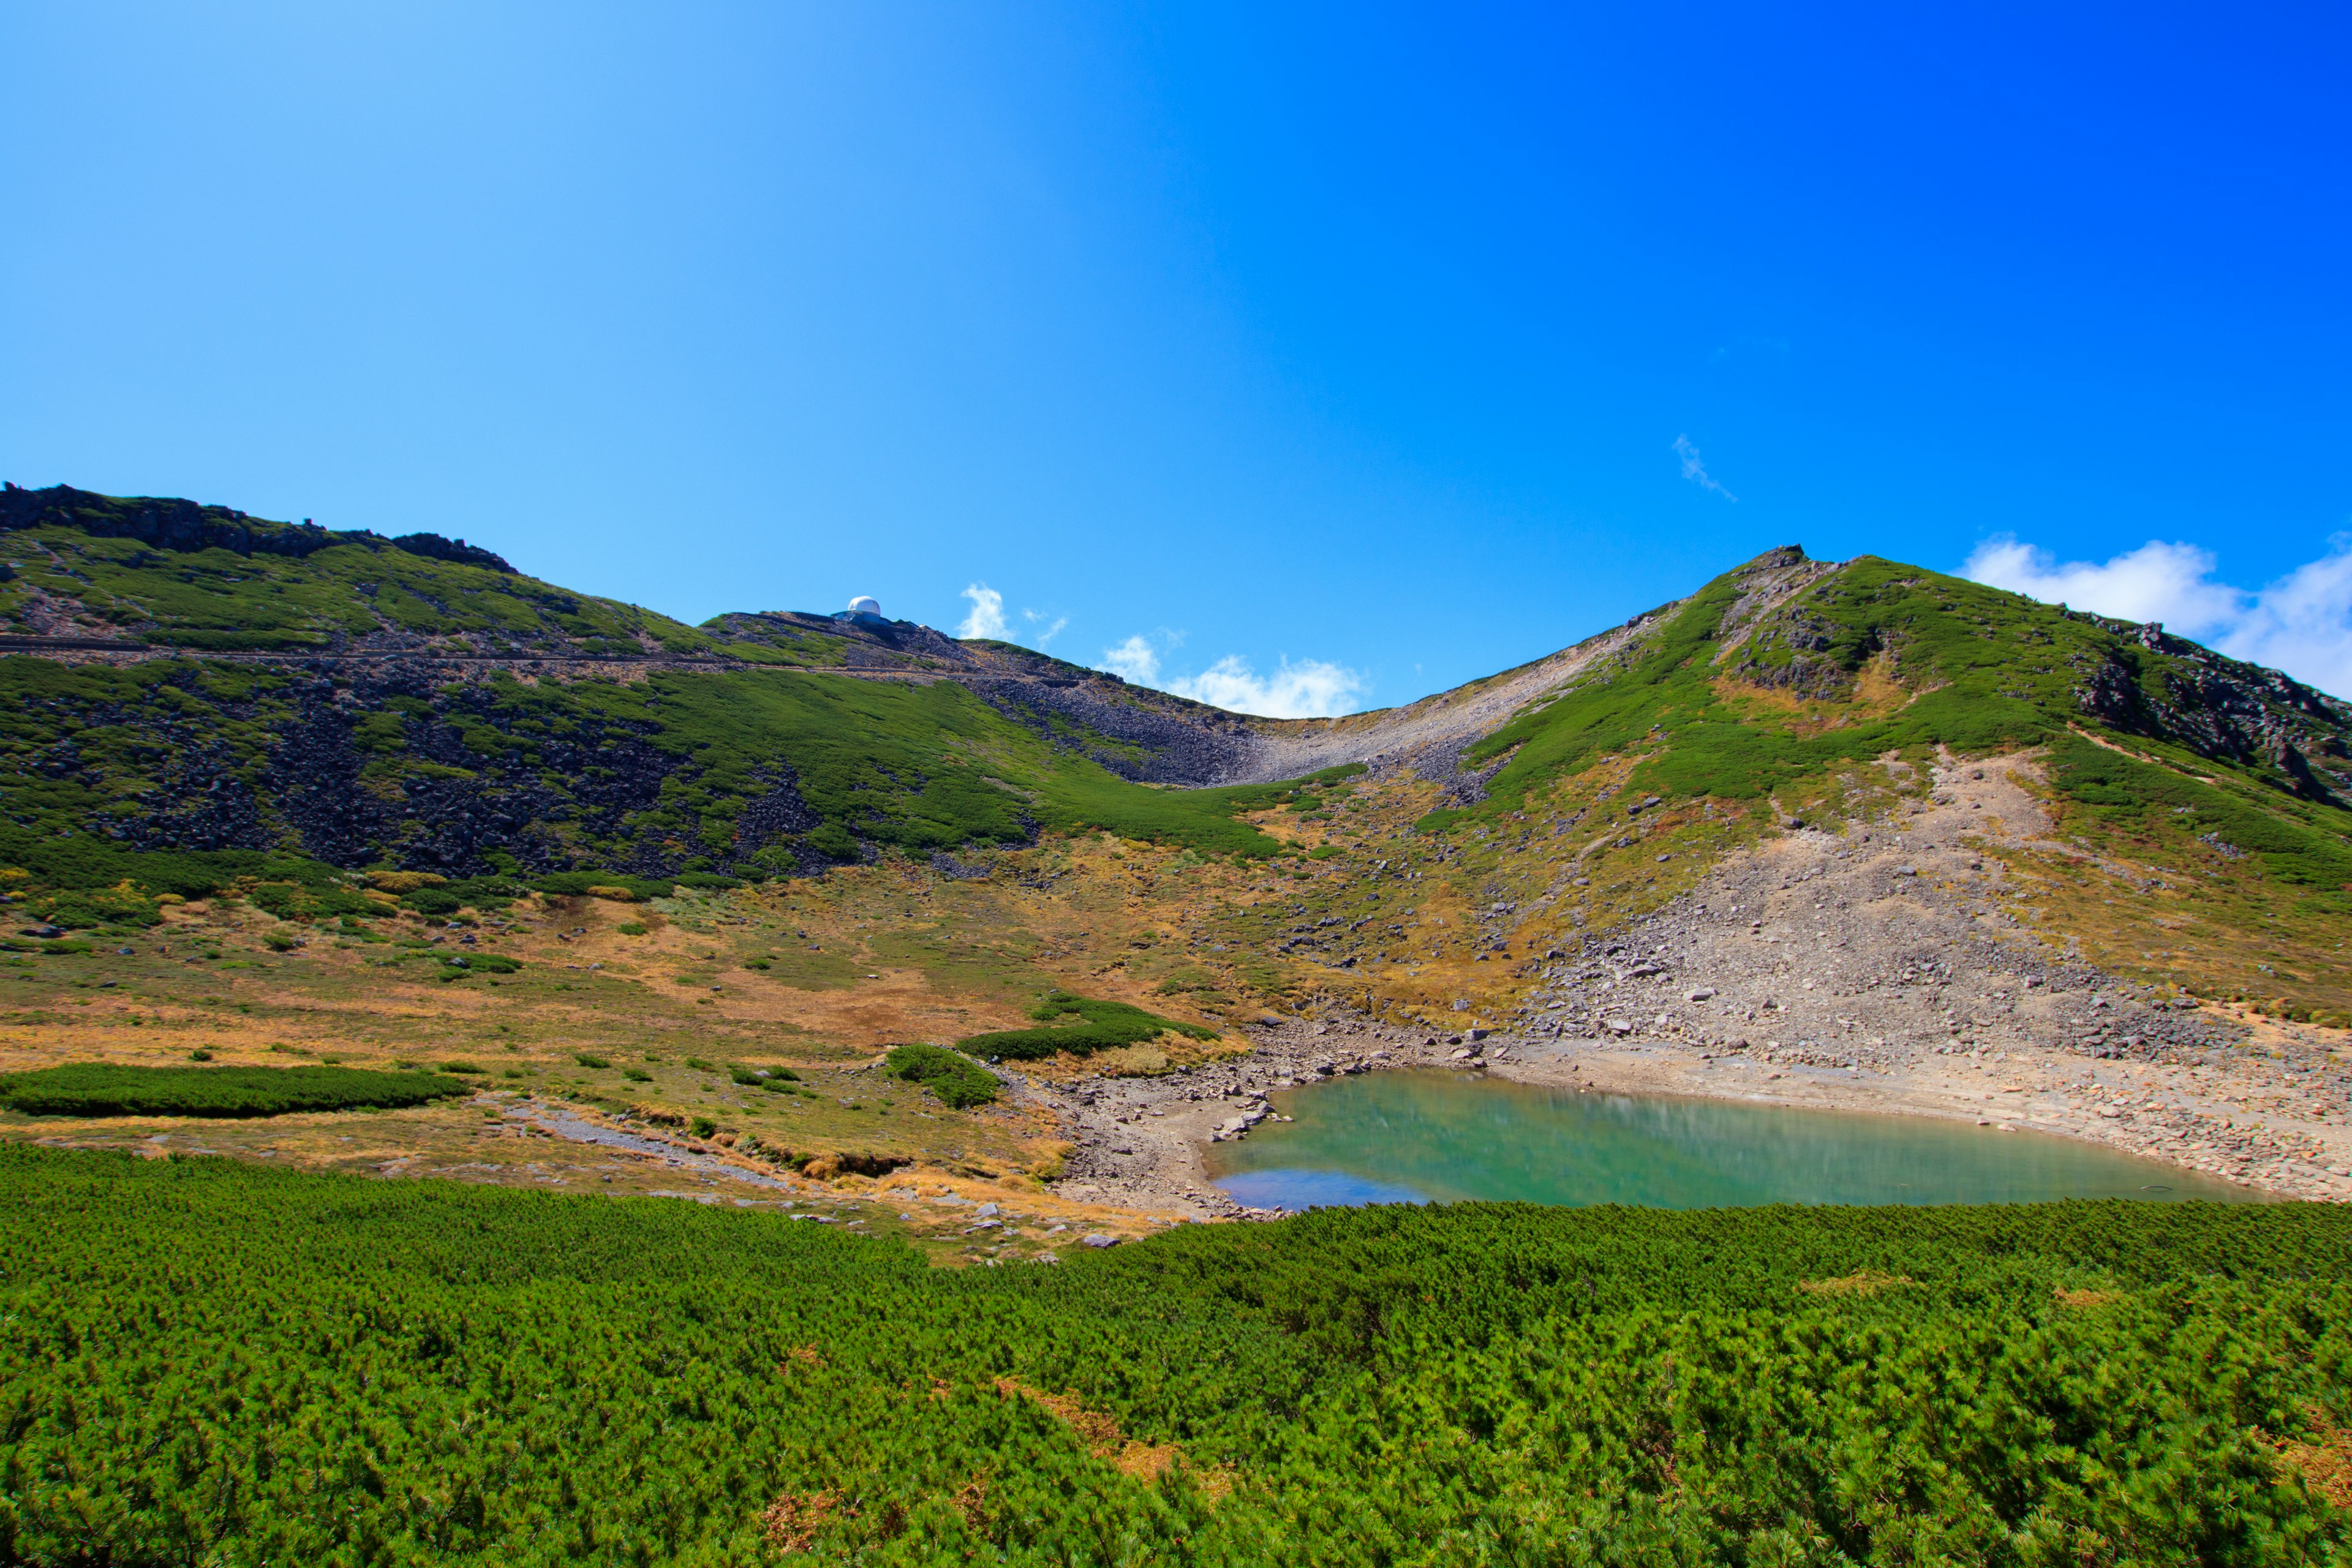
{"type": "Point", "coordinates": [2222, 709]}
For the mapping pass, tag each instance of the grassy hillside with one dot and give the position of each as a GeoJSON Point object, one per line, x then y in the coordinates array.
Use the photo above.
{"type": "Point", "coordinates": [211, 578]}
{"type": "Point", "coordinates": [212, 1363]}
{"type": "Point", "coordinates": [1872, 657]}
{"type": "Point", "coordinates": [217, 767]}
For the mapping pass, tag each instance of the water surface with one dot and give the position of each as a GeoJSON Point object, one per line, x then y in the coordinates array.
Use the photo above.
{"type": "Point", "coordinates": [1416, 1137]}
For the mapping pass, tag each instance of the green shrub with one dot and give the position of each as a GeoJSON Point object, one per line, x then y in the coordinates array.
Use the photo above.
{"type": "Point", "coordinates": [637, 1075]}
{"type": "Point", "coordinates": [97, 1088]}
{"type": "Point", "coordinates": [578, 882]}
{"type": "Point", "coordinates": [587, 1060]}
{"type": "Point", "coordinates": [1100, 1025]}
{"type": "Point", "coordinates": [702, 1127]}
{"type": "Point", "coordinates": [458, 1067]}
{"type": "Point", "coordinates": [437, 902]}
{"type": "Point", "coordinates": [959, 1081]}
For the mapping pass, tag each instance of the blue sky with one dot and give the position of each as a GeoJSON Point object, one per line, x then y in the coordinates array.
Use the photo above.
{"type": "Point", "coordinates": [1303, 357]}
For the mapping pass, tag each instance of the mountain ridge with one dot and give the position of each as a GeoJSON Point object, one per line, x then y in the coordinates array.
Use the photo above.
{"type": "Point", "coordinates": [353, 705]}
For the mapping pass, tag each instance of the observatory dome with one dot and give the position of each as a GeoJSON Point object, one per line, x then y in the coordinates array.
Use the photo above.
{"type": "Point", "coordinates": [864, 604]}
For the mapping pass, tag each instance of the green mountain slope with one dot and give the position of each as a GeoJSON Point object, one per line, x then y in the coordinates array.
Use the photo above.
{"type": "Point", "coordinates": [1775, 679]}
{"type": "Point", "coordinates": [83, 565]}
{"type": "Point", "coordinates": [340, 702]}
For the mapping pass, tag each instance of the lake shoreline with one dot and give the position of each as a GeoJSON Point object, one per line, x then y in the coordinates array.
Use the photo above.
{"type": "Point", "coordinates": [1858, 970]}
{"type": "Point", "coordinates": [1143, 1143]}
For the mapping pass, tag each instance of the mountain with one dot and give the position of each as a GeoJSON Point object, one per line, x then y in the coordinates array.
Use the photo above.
{"type": "Point", "coordinates": [198, 698]}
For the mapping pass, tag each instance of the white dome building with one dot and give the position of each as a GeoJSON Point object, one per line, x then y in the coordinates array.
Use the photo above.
{"type": "Point", "coordinates": [865, 605]}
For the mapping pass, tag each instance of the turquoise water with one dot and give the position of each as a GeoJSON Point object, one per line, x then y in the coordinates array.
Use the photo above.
{"type": "Point", "coordinates": [1418, 1137]}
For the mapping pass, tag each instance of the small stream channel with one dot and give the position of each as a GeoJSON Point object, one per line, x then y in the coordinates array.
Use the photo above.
{"type": "Point", "coordinates": [1421, 1137]}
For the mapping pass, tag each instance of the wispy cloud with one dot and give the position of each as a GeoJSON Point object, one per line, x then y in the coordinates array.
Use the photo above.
{"type": "Point", "coordinates": [1310, 688]}
{"type": "Point", "coordinates": [2301, 623]}
{"type": "Point", "coordinates": [1133, 660]}
{"type": "Point", "coordinates": [987, 618]}
{"type": "Point", "coordinates": [1695, 470]}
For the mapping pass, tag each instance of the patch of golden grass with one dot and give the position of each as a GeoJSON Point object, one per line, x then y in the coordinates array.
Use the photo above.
{"type": "Point", "coordinates": [1100, 1432]}
{"type": "Point", "coordinates": [2325, 1464]}
{"type": "Point", "coordinates": [2087, 1297]}
{"type": "Point", "coordinates": [1862, 1283]}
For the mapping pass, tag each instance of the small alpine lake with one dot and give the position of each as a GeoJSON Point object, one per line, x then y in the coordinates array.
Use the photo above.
{"type": "Point", "coordinates": [1424, 1137]}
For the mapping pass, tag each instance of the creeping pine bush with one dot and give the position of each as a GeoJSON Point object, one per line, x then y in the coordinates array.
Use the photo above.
{"type": "Point", "coordinates": [209, 1362]}
{"type": "Point", "coordinates": [959, 1081]}
{"type": "Point", "coordinates": [1097, 1027]}
{"type": "Point", "coordinates": [99, 1088]}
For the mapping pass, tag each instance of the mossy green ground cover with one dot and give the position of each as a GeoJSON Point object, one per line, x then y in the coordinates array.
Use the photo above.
{"type": "Point", "coordinates": [112, 1088]}
{"type": "Point", "coordinates": [212, 1363]}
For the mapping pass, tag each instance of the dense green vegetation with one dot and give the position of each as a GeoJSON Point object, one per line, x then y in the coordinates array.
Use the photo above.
{"type": "Point", "coordinates": [111, 772]}
{"type": "Point", "coordinates": [103, 1089]}
{"type": "Point", "coordinates": [1079, 1026]}
{"type": "Point", "coordinates": [208, 1362]}
{"type": "Point", "coordinates": [2298, 841]}
{"type": "Point", "coordinates": [957, 1081]}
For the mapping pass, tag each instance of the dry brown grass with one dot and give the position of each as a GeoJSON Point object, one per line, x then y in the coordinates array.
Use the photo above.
{"type": "Point", "coordinates": [1145, 1461]}
{"type": "Point", "coordinates": [972, 1503]}
{"type": "Point", "coordinates": [2325, 1464]}
{"type": "Point", "coordinates": [2087, 1297]}
{"type": "Point", "coordinates": [792, 1521]}
{"type": "Point", "coordinates": [1863, 1282]}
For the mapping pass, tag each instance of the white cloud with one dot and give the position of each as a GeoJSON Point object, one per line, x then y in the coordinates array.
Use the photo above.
{"type": "Point", "coordinates": [1310, 689]}
{"type": "Point", "coordinates": [1133, 660]}
{"type": "Point", "coordinates": [1696, 471]}
{"type": "Point", "coordinates": [1050, 633]}
{"type": "Point", "coordinates": [987, 618]}
{"type": "Point", "coordinates": [2301, 623]}
{"type": "Point", "coordinates": [2158, 582]}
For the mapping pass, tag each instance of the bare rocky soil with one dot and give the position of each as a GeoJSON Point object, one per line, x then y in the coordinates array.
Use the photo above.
{"type": "Point", "coordinates": [1870, 971]}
